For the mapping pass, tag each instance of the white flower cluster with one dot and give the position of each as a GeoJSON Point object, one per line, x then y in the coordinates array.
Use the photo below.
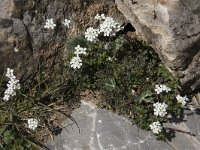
{"type": "Point", "coordinates": [66, 22]}
{"type": "Point", "coordinates": [12, 86]}
{"type": "Point", "coordinates": [76, 61]}
{"type": "Point", "coordinates": [162, 88]}
{"type": "Point", "coordinates": [50, 24]}
{"type": "Point", "coordinates": [91, 34]}
{"type": "Point", "coordinates": [109, 27]}
{"type": "Point", "coordinates": [160, 109]}
{"type": "Point", "coordinates": [182, 100]}
{"type": "Point", "coordinates": [100, 17]}
{"type": "Point", "coordinates": [80, 50]}
{"type": "Point", "coordinates": [32, 123]}
{"type": "Point", "coordinates": [156, 127]}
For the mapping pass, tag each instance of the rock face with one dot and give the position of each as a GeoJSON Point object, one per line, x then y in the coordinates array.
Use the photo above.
{"type": "Point", "coordinates": [25, 43]}
{"type": "Point", "coordinates": [172, 27]}
{"type": "Point", "coordinates": [103, 130]}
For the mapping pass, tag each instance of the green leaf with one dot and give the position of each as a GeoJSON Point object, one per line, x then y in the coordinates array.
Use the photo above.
{"type": "Point", "coordinates": [8, 137]}
{"type": "Point", "coordinates": [27, 145]}
{"type": "Point", "coordinates": [110, 84]}
{"type": "Point", "coordinates": [146, 96]}
{"type": "Point", "coordinates": [2, 129]}
{"type": "Point", "coordinates": [1, 146]}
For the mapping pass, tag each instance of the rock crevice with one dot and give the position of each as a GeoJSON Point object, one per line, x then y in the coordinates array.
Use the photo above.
{"type": "Point", "coordinates": [173, 30]}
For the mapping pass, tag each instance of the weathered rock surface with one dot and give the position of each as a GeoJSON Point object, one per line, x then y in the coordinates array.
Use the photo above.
{"type": "Point", "coordinates": [103, 130]}
{"type": "Point", "coordinates": [25, 43]}
{"type": "Point", "coordinates": [172, 27]}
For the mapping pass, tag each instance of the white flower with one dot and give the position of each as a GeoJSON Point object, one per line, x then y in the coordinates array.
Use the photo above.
{"type": "Point", "coordinates": [76, 62]}
{"type": "Point", "coordinates": [80, 50]}
{"type": "Point", "coordinates": [12, 86]}
{"type": "Point", "coordinates": [6, 97]}
{"type": "Point", "coordinates": [16, 49]}
{"type": "Point", "coordinates": [110, 59]}
{"type": "Point", "coordinates": [158, 89]}
{"type": "Point", "coordinates": [100, 17]}
{"type": "Point", "coordinates": [162, 88]}
{"type": "Point", "coordinates": [182, 100]}
{"type": "Point", "coordinates": [156, 127]}
{"type": "Point", "coordinates": [9, 73]}
{"type": "Point", "coordinates": [109, 27]}
{"type": "Point", "coordinates": [67, 22]}
{"type": "Point", "coordinates": [160, 109]}
{"type": "Point", "coordinates": [32, 123]}
{"type": "Point", "coordinates": [49, 24]}
{"type": "Point", "coordinates": [91, 34]}
{"type": "Point", "coordinates": [165, 88]}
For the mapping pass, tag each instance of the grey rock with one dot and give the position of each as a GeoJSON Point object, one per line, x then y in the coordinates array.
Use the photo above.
{"type": "Point", "coordinates": [173, 30]}
{"type": "Point", "coordinates": [171, 27]}
{"type": "Point", "coordinates": [98, 129]}
{"type": "Point", "coordinates": [25, 43]}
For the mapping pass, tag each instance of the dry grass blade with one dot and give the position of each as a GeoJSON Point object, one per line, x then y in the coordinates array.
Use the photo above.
{"type": "Point", "coordinates": [68, 116]}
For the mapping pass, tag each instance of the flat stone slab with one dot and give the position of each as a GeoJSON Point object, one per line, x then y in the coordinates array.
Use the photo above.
{"type": "Point", "coordinates": [103, 130]}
